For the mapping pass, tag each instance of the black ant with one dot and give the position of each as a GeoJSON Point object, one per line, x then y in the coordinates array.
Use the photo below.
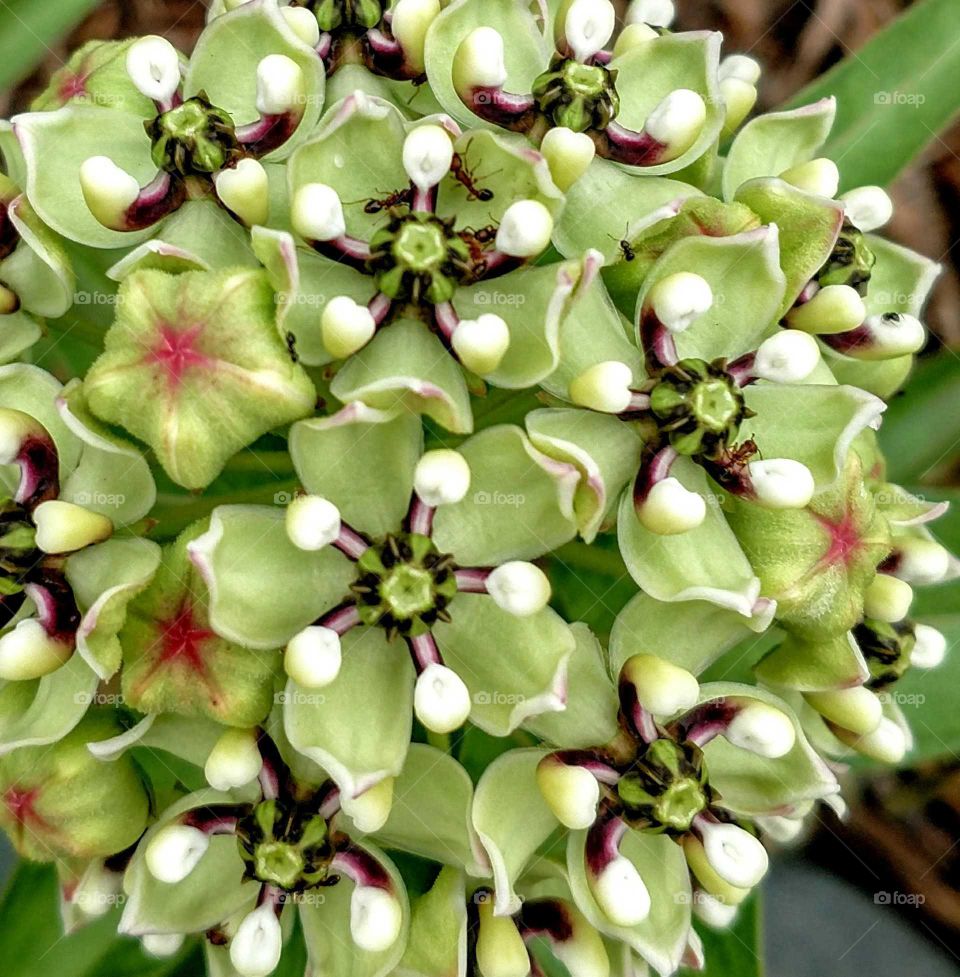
{"type": "Point", "coordinates": [476, 239]}
{"type": "Point", "coordinates": [394, 199]}
{"type": "Point", "coordinates": [292, 347]}
{"type": "Point", "coordinates": [626, 248]}
{"type": "Point", "coordinates": [464, 176]}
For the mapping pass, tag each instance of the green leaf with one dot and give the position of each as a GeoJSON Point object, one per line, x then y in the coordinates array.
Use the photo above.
{"type": "Point", "coordinates": [28, 30]}
{"type": "Point", "coordinates": [894, 95]}
{"type": "Point", "coordinates": [737, 951]}
{"type": "Point", "coordinates": [33, 943]}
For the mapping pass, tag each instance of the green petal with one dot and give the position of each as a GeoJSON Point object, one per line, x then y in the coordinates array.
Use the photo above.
{"type": "Point", "coordinates": [289, 588]}
{"type": "Point", "coordinates": [406, 367]}
{"type": "Point", "coordinates": [206, 406]}
{"type": "Point", "coordinates": [705, 563]}
{"type": "Point", "coordinates": [200, 236]}
{"type": "Point", "coordinates": [514, 667]}
{"type": "Point", "coordinates": [651, 71]}
{"type": "Point", "coordinates": [326, 929]}
{"type": "Point", "coordinates": [605, 451]}
{"type": "Point", "coordinates": [14, 164]}
{"type": "Point", "coordinates": [358, 727]}
{"type": "Point", "coordinates": [661, 938]}
{"type": "Point", "coordinates": [833, 663]}
{"type": "Point", "coordinates": [512, 821]}
{"type": "Point", "coordinates": [304, 282]}
{"type": "Point", "coordinates": [105, 578]}
{"type": "Point", "coordinates": [432, 781]}
{"type": "Point", "coordinates": [112, 477]}
{"type": "Point", "coordinates": [772, 143]}
{"type": "Point", "coordinates": [748, 286]}
{"type": "Point", "coordinates": [37, 713]}
{"type": "Point", "coordinates": [832, 419]}
{"type": "Point", "coordinates": [183, 736]}
{"type": "Point", "coordinates": [438, 930]}
{"type": "Point", "coordinates": [692, 635]}
{"type": "Point", "coordinates": [224, 65]}
{"type": "Point", "coordinates": [808, 227]}
{"type": "Point", "coordinates": [358, 128]}
{"type": "Point", "coordinates": [590, 716]}
{"type": "Point", "coordinates": [335, 455]}
{"type": "Point", "coordinates": [519, 505]}
{"type": "Point", "coordinates": [55, 146]}
{"type": "Point", "coordinates": [38, 270]}
{"type": "Point", "coordinates": [603, 204]}
{"type": "Point", "coordinates": [208, 896]}
{"type": "Point", "coordinates": [751, 784]}
{"type": "Point", "coordinates": [526, 51]}
{"type": "Point", "coordinates": [18, 332]}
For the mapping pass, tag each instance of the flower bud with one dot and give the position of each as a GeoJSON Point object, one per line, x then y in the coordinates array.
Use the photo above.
{"type": "Point", "coordinates": [427, 155]}
{"type": "Point", "coordinates": [317, 213]}
{"type": "Point", "coordinates": [819, 176]}
{"type": "Point", "coordinates": [734, 854]}
{"type": "Point", "coordinates": [739, 97]}
{"type": "Point", "coordinates": [346, 326]}
{"type": "Point", "coordinates": [867, 208]}
{"type": "Point", "coordinates": [571, 791]}
{"type": "Point", "coordinates": [440, 699]}
{"type": "Point", "coordinates": [109, 191]}
{"type": "Point", "coordinates": [887, 599]}
{"type": "Point", "coordinates": [930, 647]}
{"type": "Point", "coordinates": [781, 483]}
{"type": "Point", "coordinates": [604, 387]}
{"type": "Point", "coordinates": [789, 356]}
{"type": "Point", "coordinates": [588, 27]}
{"type": "Point", "coordinates": [375, 918]}
{"type": "Point", "coordinates": [16, 427]}
{"type": "Point", "coordinates": [410, 23]}
{"type": "Point", "coordinates": [568, 154]}
{"type": "Point", "coordinates": [525, 229]}
{"type": "Point", "coordinates": [856, 709]}
{"type": "Point", "coordinates": [279, 85]}
{"type": "Point", "coordinates": [621, 893]}
{"type": "Point", "coordinates": [234, 761]}
{"type": "Point", "coordinates": [835, 308]}
{"type": "Point", "coordinates": [633, 36]}
{"type": "Point", "coordinates": [442, 477]}
{"type": "Point", "coordinates": [369, 811]}
{"type": "Point", "coordinates": [175, 851]}
{"type": "Point", "coordinates": [886, 744]}
{"type": "Point", "coordinates": [656, 13]}
{"type": "Point", "coordinates": [303, 23]}
{"type": "Point", "coordinates": [312, 522]}
{"type": "Point", "coordinates": [256, 946]}
{"type": "Point", "coordinates": [63, 527]}
{"type": "Point", "coordinates": [740, 67]}
{"type": "Point", "coordinates": [662, 688]}
{"type": "Point", "coordinates": [888, 336]}
{"type": "Point", "coordinates": [245, 190]}
{"type": "Point", "coordinates": [162, 945]}
{"type": "Point", "coordinates": [501, 951]}
{"type": "Point", "coordinates": [921, 561]}
{"type": "Point", "coordinates": [679, 300]}
{"type": "Point", "coordinates": [706, 875]}
{"type": "Point", "coordinates": [28, 652]}
{"type": "Point", "coordinates": [762, 729]}
{"type": "Point", "coordinates": [479, 61]}
{"type": "Point", "coordinates": [677, 121]}
{"type": "Point", "coordinates": [519, 588]}
{"type": "Point", "coordinates": [153, 65]}
{"type": "Point", "coordinates": [97, 891]}
{"type": "Point", "coordinates": [670, 508]}
{"type": "Point", "coordinates": [481, 344]}
{"type": "Point", "coordinates": [313, 657]}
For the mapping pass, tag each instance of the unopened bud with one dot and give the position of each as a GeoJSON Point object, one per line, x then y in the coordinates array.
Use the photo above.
{"type": "Point", "coordinates": [662, 688]}
{"type": "Point", "coordinates": [571, 791]}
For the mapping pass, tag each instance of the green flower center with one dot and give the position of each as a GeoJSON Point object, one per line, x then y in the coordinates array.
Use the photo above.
{"type": "Point", "coordinates": [404, 584]}
{"type": "Point", "coordinates": [195, 138]}
{"type": "Point", "coordinates": [346, 15]}
{"type": "Point", "coordinates": [419, 258]}
{"type": "Point", "coordinates": [667, 787]}
{"type": "Point", "coordinates": [285, 844]}
{"type": "Point", "coordinates": [851, 262]}
{"type": "Point", "coordinates": [699, 406]}
{"type": "Point", "coordinates": [578, 96]}
{"type": "Point", "coordinates": [887, 649]}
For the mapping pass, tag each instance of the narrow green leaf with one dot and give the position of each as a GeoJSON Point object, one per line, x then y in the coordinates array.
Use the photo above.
{"type": "Point", "coordinates": [29, 30]}
{"type": "Point", "coordinates": [894, 95]}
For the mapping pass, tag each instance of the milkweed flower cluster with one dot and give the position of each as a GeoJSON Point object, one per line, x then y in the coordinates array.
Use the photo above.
{"type": "Point", "coordinates": [400, 300]}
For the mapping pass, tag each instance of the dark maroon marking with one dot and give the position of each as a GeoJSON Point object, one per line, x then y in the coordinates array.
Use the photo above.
{"type": "Point", "coordinates": [268, 133]}
{"type": "Point", "coordinates": [623, 145]}
{"type": "Point", "coordinates": [549, 917]}
{"type": "Point", "coordinates": [39, 472]}
{"type": "Point", "coordinates": [361, 867]}
{"type": "Point", "coordinates": [519, 113]}
{"type": "Point", "coordinates": [163, 195]}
